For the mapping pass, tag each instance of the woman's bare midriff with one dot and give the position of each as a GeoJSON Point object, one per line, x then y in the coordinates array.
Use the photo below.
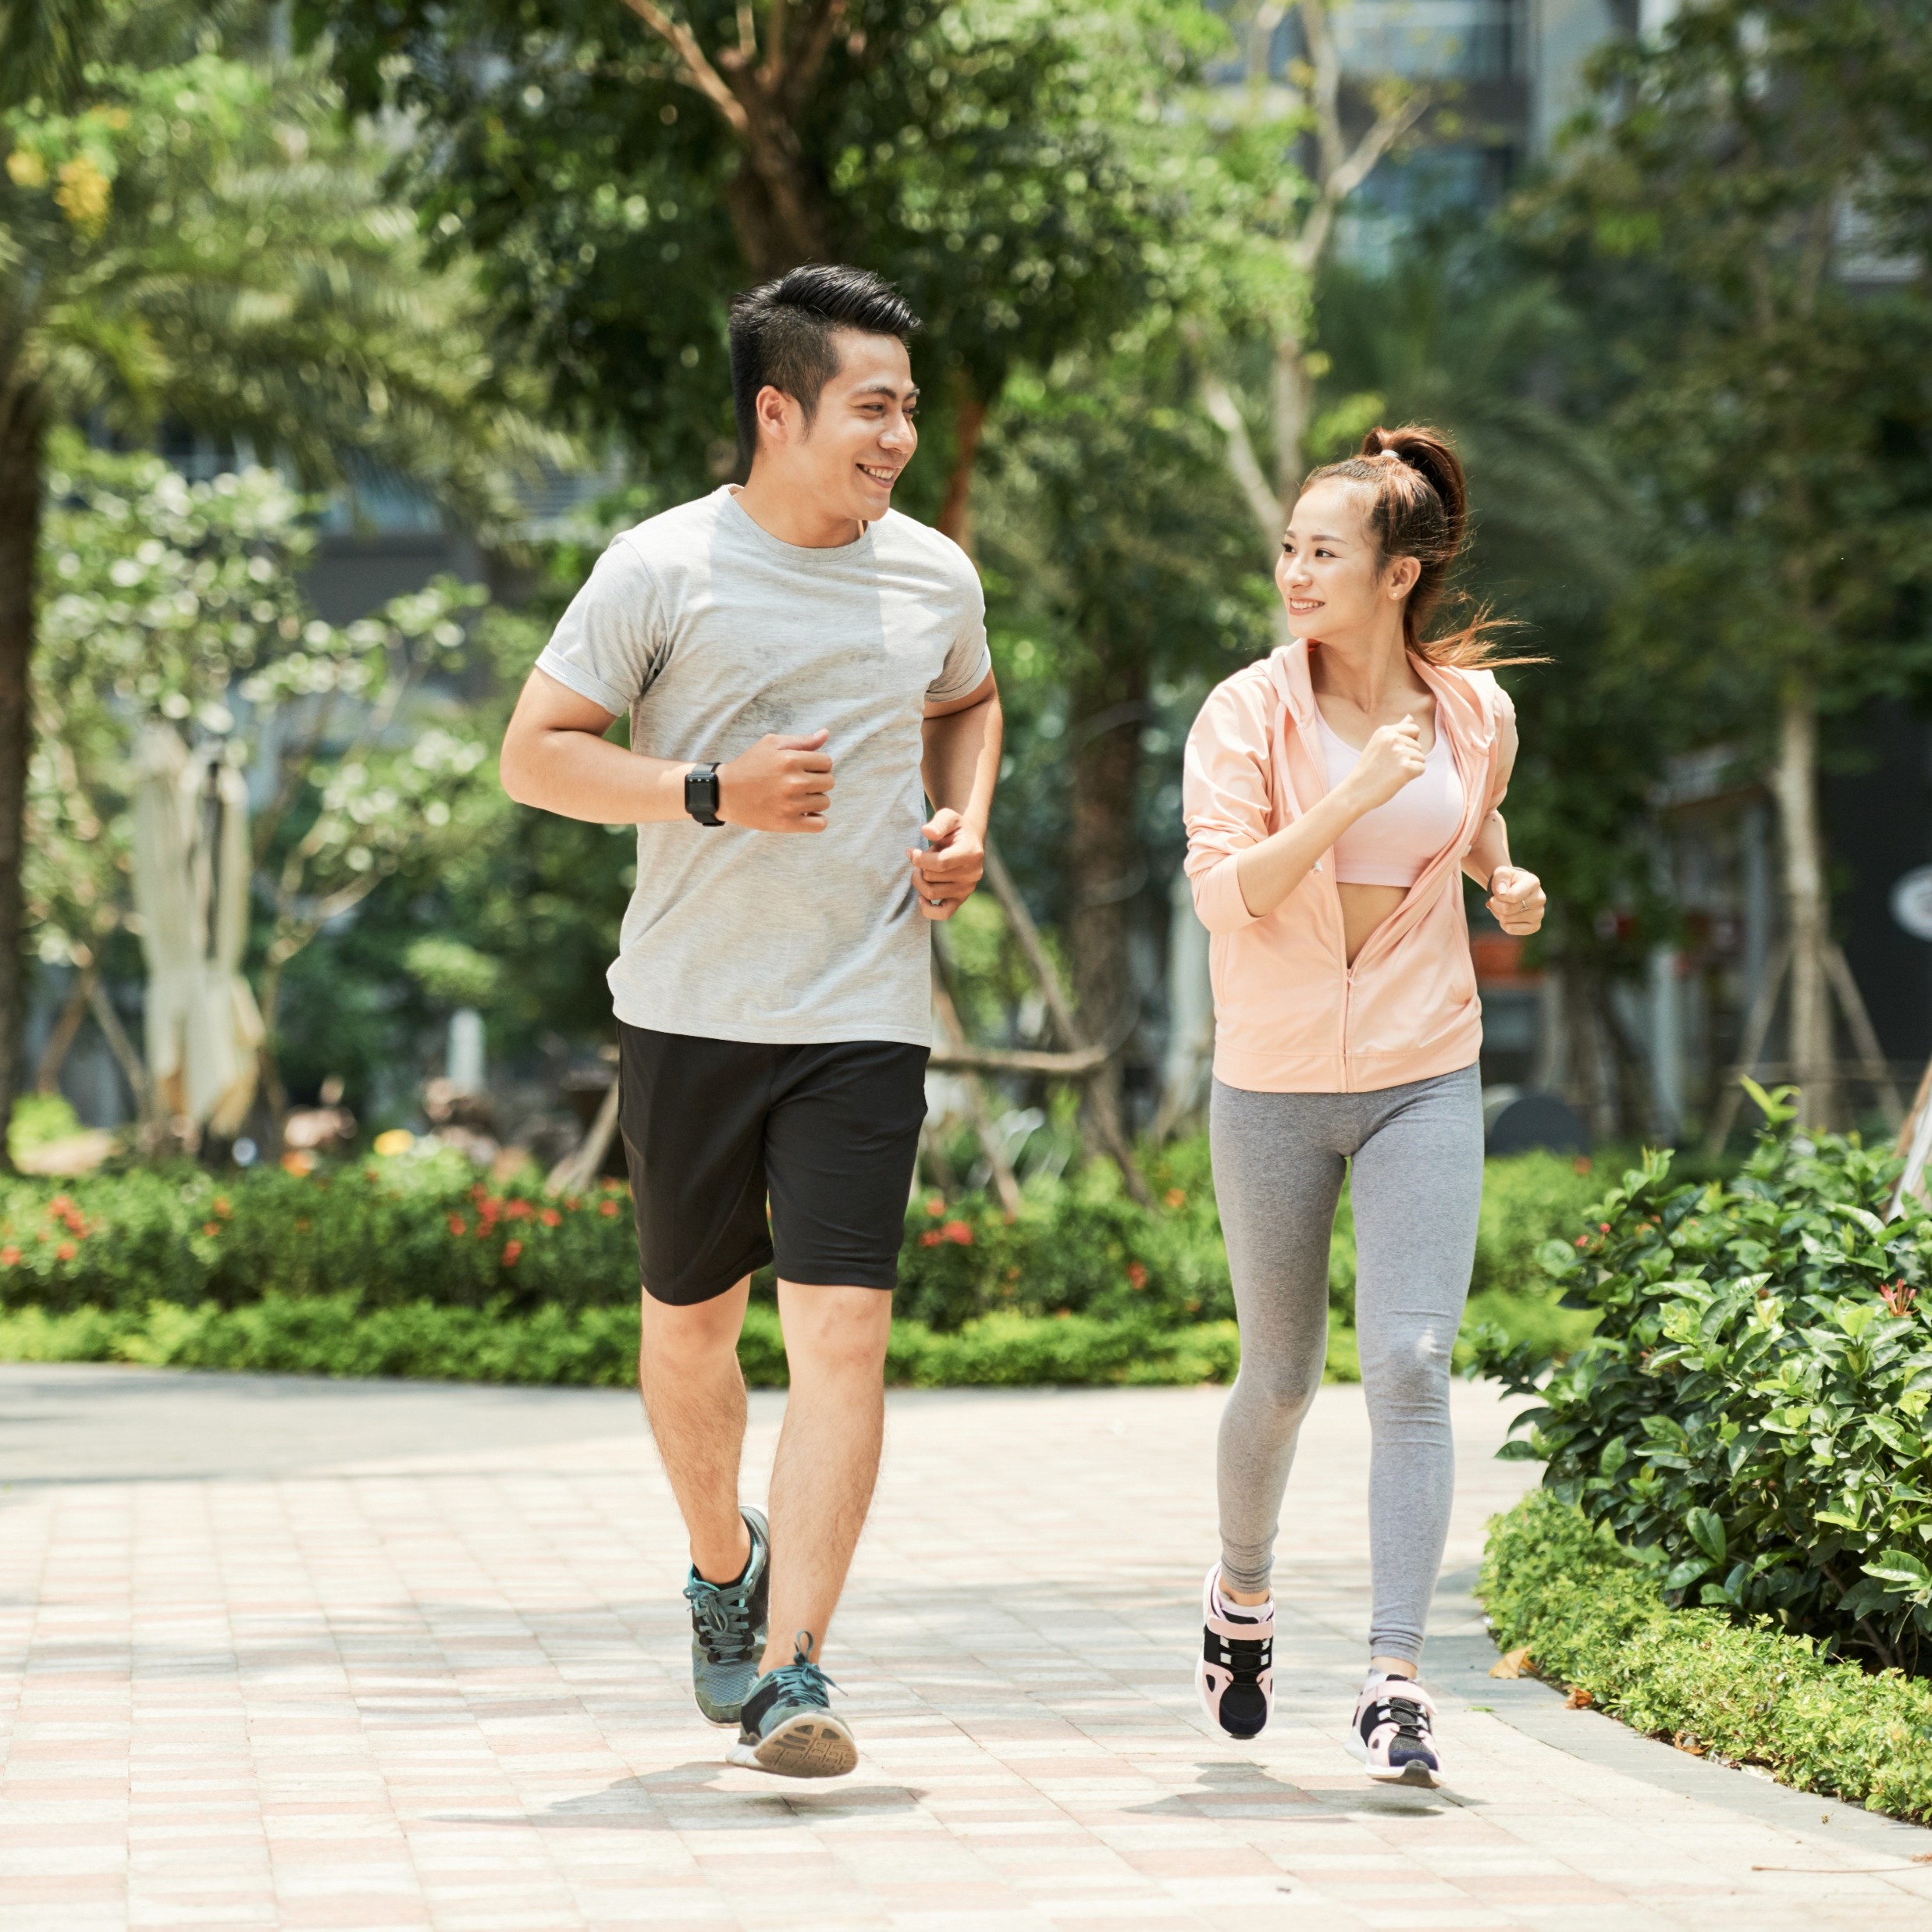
{"type": "Point", "coordinates": [1363, 908]}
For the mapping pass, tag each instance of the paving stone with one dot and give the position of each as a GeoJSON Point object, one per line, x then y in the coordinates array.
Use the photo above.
{"type": "Point", "coordinates": [277, 1652]}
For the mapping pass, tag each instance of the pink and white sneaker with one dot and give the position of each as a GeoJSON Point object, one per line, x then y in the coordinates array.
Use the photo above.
{"type": "Point", "coordinates": [1235, 1675]}
{"type": "Point", "coordinates": [1393, 1734]}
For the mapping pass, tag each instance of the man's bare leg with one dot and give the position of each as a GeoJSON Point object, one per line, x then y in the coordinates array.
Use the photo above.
{"type": "Point", "coordinates": [694, 1395]}
{"type": "Point", "coordinates": [828, 1453]}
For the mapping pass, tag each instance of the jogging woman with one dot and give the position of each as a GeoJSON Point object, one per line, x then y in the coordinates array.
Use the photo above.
{"type": "Point", "coordinates": [1334, 792]}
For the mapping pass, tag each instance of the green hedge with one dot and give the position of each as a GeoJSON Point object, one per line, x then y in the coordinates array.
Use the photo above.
{"type": "Point", "coordinates": [1755, 1404]}
{"type": "Point", "coordinates": [339, 1334]}
{"type": "Point", "coordinates": [415, 1254]}
{"type": "Point", "coordinates": [1593, 1617]}
{"type": "Point", "coordinates": [422, 1227]}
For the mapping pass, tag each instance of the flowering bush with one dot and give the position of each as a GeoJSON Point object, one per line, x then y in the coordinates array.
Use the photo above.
{"type": "Point", "coordinates": [414, 1226]}
{"type": "Point", "coordinates": [1751, 1416]}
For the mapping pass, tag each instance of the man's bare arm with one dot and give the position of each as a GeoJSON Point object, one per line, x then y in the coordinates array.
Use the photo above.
{"type": "Point", "coordinates": [960, 767]}
{"type": "Point", "coordinates": [556, 757]}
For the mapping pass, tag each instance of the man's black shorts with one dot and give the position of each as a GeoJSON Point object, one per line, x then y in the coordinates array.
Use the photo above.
{"type": "Point", "coordinates": [712, 1128]}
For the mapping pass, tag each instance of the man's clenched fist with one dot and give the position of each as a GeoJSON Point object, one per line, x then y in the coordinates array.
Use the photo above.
{"type": "Point", "coordinates": [944, 878]}
{"type": "Point", "coordinates": [781, 784]}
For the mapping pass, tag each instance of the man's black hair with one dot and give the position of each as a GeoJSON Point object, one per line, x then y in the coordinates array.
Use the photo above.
{"type": "Point", "coordinates": [782, 334]}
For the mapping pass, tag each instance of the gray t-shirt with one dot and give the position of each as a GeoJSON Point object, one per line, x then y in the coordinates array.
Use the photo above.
{"type": "Point", "coordinates": [710, 632]}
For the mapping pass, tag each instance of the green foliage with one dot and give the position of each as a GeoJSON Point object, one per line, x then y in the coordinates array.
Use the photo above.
{"type": "Point", "coordinates": [40, 1119]}
{"type": "Point", "coordinates": [340, 1334]}
{"type": "Point", "coordinates": [1745, 215]}
{"type": "Point", "coordinates": [180, 605]}
{"type": "Point", "coordinates": [391, 1230]}
{"type": "Point", "coordinates": [1592, 1615]}
{"type": "Point", "coordinates": [452, 973]}
{"type": "Point", "coordinates": [210, 237]}
{"type": "Point", "coordinates": [1007, 162]}
{"type": "Point", "coordinates": [1751, 1409]}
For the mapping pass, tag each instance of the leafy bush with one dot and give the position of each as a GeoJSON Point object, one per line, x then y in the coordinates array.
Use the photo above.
{"type": "Point", "coordinates": [387, 1231]}
{"type": "Point", "coordinates": [39, 1120]}
{"type": "Point", "coordinates": [421, 1225]}
{"type": "Point", "coordinates": [339, 1334]}
{"type": "Point", "coordinates": [1752, 1407]}
{"type": "Point", "coordinates": [1592, 1616]}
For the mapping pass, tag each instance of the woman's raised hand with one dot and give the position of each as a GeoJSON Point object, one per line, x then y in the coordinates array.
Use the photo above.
{"type": "Point", "coordinates": [1393, 756]}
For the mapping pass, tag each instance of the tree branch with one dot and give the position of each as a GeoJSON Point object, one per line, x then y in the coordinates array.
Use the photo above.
{"type": "Point", "coordinates": [1217, 399]}
{"type": "Point", "coordinates": [698, 72]}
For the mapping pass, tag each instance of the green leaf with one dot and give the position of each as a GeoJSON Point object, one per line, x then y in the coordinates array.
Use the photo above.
{"type": "Point", "coordinates": [1900, 1566]}
{"type": "Point", "coordinates": [1680, 1576]}
{"type": "Point", "coordinates": [1707, 1531]}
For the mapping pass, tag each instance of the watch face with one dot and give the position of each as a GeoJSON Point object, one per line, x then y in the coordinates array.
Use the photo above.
{"type": "Point", "coordinates": [701, 793]}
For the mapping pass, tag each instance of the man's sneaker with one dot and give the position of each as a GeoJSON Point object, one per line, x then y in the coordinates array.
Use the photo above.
{"type": "Point", "coordinates": [728, 1628]}
{"type": "Point", "coordinates": [1392, 1734]}
{"type": "Point", "coordinates": [788, 1724]}
{"type": "Point", "coordinates": [1235, 1675]}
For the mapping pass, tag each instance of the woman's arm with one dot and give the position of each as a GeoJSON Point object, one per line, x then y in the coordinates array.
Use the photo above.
{"type": "Point", "coordinates": [1516, 898]}
{"type": "Point", "coordinates": [1270, 870]}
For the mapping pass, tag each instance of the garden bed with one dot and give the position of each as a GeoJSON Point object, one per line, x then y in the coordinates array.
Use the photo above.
{"type": "Point", "coordinates": [412, 1265]}
{"type": "Point", "coordinates": [1592, 1619]}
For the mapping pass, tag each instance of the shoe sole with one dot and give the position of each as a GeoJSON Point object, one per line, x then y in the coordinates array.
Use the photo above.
{"type": "Point", "coordinates": [1214, 1717]}
{"type": "Point", "coordinates": [1413, 1773]}
{"type": "Point", "coordinates": [811, 1744]}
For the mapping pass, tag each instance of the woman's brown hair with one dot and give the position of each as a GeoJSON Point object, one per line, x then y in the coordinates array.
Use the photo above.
{"type": "Point", "coordinates": [1419, 507]}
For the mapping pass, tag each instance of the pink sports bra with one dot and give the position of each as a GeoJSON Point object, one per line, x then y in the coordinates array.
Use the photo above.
{"type": "Point", "coordinates": [1393, 845]}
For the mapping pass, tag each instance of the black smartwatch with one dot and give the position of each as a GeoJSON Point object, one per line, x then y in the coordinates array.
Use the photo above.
{"type": "Point", "coordinates": [701, 793]}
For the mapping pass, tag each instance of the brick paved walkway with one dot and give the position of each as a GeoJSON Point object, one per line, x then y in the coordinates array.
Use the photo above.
{"type": "Point", "coordinates": [281, 1653]}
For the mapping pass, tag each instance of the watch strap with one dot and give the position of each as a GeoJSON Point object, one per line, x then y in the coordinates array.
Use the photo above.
{"type": "Point", "coordinates": [701, 793]}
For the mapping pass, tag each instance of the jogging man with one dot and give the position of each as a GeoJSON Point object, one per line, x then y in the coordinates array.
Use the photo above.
{"type": "Point", "coordinates": [796, 658]}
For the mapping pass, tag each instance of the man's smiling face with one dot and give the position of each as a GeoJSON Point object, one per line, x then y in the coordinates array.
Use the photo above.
{"type": "Point", "coordinates": [864, 432]}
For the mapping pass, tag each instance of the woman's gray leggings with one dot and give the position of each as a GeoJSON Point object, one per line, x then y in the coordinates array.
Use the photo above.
{"type": "Point", "coordinates": [1417, 1155]}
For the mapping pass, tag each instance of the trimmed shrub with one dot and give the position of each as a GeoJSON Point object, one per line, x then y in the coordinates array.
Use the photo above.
{"type": "Point", "coordinates": [1753, 1408]}
{"type": "Point", "coordinates": [1592, 1617]}
{"type": "Point", "coordinates": [339, 1335]}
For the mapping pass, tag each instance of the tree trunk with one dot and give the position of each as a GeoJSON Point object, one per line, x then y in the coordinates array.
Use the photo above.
{"type": "Point", "coordinates": [20, 452]}
{"type": "Point", "coordinates": [955, 514]}
{"type": "Point", "coordinates": [1107, 872]}
{"type": "Point", "coordinates": [1293, 399]}
{"type": "Point", "coordinates": [777, 227]}
{"type": "Point", "coordinates": [1795, 785]}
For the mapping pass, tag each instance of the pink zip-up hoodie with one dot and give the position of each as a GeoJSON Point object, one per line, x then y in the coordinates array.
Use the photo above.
{"type": "Point", "coordinates": [1291, 1016]}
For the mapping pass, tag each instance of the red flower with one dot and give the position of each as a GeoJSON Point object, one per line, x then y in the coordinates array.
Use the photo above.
{"type": "Point", "coordinates": [61, 1204]}
{"type": "Point", "coordinates": [550, 1218]}
{"type": "Point", "coordinates": [931, 1238]}
{"type": "Point", "coordinates": [935, 1206]}
{"type": "Point", "coordinates": [1897, 1297]}
{"type": "Point", "coordinates": [607, 1207]}
{"type": "Point", "coordinates": [458, 1225]}
{"type": "Point", "coordinates": [9, 1255]}
{"type": "Point", "coordinates": [210, 1227]}
{"type": "Point", "coordinates": [1603, 1227]}
{"type": "Point", "coordinates": [1137, 1274]}
{"type": "Point", "coordinates": [958, 1231]}
{"type": "Point", "coordinates": [221, 1207]}
{"type": "Point", "coordinates": [65, 1252]}
{"type": "Point", "coordinates": [518, 1211]}
{"type": "Point", "coordinates": [1583, 1240]}
{"type": "Point", "coordinates": [511, 1250]}
{"type": "Point", "coordinates": [1177, 1196]}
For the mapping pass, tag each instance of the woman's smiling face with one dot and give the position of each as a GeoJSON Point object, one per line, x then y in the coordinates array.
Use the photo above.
{"type": "Point", "coordinates": [1330, 574]}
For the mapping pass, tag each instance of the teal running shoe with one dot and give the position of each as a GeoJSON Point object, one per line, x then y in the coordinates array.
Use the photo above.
{"type": "Point", "coordinates": [728, 1628]}
{"type": "Point", "coordinates": [786, 1725]}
